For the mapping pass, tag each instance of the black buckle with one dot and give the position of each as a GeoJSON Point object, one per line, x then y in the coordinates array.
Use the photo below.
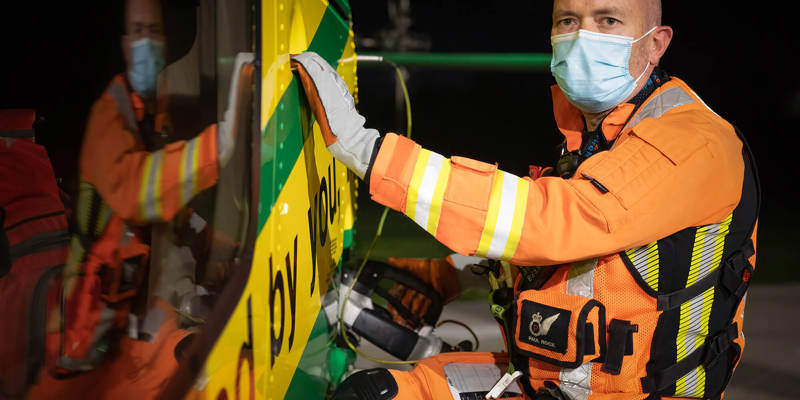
{"type": "Point", "coordinates": [733, 276]}
{"type": "Point", "coordinates": [620, 343]}
{"type": "Point", "coordinates": [720, 345]}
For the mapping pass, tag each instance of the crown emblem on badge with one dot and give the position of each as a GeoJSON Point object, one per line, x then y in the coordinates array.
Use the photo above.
{"type": "Point", "coordinates": [539, 326]}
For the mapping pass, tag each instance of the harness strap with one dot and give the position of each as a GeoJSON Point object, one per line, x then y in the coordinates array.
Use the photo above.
{"type": "Point", "coordinates": [706, 355]}
{"type": "Point", "coordinates": [734, 274]}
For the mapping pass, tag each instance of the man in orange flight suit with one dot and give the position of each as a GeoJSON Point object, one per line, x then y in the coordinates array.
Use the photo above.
{"type": "Point", "coordinates": [633, 254]}
{"type": "Point", "coordinates": [128, 180]}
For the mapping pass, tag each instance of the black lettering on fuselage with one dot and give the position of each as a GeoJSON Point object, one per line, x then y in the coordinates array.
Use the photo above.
{"type": "Point", "coordinates": [291, 278]}
{"type": "Point", "coordinates": [322, 213]}
{"type": "Point", "coordinates": [275, 286]}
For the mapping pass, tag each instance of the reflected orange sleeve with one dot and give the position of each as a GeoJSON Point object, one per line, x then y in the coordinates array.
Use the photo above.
{"type": "Point", "coordinates": [143, 186]}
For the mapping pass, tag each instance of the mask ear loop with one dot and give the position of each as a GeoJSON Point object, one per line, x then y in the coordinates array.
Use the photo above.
{"type": "Point", "coordinates": [635, 82]}
{"type": "Point", "coordinates": [647, 33]}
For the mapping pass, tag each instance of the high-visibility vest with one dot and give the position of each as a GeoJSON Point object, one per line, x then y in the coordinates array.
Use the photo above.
{"type": "Point", "coordinates": [648, 248]}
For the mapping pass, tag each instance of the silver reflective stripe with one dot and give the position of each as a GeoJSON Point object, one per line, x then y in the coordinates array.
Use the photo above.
{"type": "Point", "coordinates": [580, 279]}
{"type": "Point", "coordinates": [120, 96]}
{"type": "Point", "coordinates": [576, 382]}
{"type": "Point", "coordinates": [660, 104]}
{"type": "Point", "coordinates": [645, 261]}
{"type": "Point", "coordinates": [151, 189]}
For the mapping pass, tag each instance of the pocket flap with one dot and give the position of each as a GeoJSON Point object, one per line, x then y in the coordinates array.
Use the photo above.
{"type": "Point", "coordinates": [558, 328]}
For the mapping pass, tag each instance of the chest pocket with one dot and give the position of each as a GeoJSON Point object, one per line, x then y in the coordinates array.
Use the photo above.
{"type": "Point", "coordinates": [644, 158]}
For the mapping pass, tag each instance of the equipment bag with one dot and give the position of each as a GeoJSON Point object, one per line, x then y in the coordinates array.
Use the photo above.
{"type": "Point", "coordinates": [33, 246]}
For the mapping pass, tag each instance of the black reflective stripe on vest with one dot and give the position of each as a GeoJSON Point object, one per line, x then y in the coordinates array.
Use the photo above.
{"type": "Point", "coordinates": [706, 355]}
{"type": "Point", "coordinates": [730, 274]}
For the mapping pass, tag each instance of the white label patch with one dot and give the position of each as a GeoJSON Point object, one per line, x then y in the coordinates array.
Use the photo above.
{"type": "Point", "coordinates": [468, 381]}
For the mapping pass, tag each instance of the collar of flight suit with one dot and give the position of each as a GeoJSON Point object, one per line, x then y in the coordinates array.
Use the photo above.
{"type": "Point", "coordinates": [570, 119]}
{"type": "Point", "coordinates": [137, 103]}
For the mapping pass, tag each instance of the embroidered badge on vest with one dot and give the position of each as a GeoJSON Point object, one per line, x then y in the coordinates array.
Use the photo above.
{"type": "Point", "coordinates": [547, 327]}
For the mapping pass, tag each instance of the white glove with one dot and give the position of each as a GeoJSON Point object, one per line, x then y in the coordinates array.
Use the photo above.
{"type": "Point", "coordinates": [226, 131]}
{"type": "Point", "coordinates": [335, 111]}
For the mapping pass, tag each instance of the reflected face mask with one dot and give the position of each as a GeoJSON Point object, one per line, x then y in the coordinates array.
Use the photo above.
{"type": "Point", "coordinates": [591, 68]}
{"type": "Point", "coordinates": [147, 56]}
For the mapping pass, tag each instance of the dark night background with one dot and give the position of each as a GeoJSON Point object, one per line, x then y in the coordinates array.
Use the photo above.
{"type": "Point", "coordinates": [738, 57]}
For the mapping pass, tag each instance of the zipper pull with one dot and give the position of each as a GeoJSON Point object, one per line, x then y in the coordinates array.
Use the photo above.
{"type": "Point", "coordinates": [505, 381]}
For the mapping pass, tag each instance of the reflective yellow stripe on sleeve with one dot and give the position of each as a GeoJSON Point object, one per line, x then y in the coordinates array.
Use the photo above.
{"type": "Point", "coordinates": [426, 189]}
{"type": "Point", "coordinates": [504, 219]}
{"type": "Point", "coordinates": [150, 192]}
{"type": "Point", "coordinates": [188, 177]}
{"type": "Point", "coordinates": [416, 180]}
{"type": "Point", "coordinates": [438, 197]}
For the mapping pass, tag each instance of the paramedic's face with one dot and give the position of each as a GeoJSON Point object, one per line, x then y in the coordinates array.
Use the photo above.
{"type": "Point", "coordinates": [142, 20]}
{"type": "Point", "coordinates": [617, 17]}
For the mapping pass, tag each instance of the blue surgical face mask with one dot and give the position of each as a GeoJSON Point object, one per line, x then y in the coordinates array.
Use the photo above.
{"type": "Point", "coordinates": [591, 68]}
{"type": "Point", "coordinates": [147, 61]}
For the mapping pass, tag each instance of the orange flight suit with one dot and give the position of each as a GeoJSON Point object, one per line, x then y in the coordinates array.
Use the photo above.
{"type": "Point", "coordinates": [648, 243]}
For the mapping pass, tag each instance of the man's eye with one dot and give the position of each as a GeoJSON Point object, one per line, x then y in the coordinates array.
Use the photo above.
{"type": "Point", "coordinates": [610, 21]}
{"type": "Point", "coordinates": [567, 22]}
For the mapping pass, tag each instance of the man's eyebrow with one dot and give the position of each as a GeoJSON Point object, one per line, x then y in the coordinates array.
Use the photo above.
{"type": "Point", "coordinates": [564, 13]}
{"type": "Point", "coordinates": [608, 11]}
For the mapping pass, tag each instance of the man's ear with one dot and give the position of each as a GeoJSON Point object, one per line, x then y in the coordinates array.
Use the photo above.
{"type": "Point", "coordinates": [660, 40]}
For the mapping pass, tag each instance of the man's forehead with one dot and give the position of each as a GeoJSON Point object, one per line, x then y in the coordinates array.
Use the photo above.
{"type": "Point", "coordinates": [626, 7]}
{"type": "Point", "coordinates": [143, 10]}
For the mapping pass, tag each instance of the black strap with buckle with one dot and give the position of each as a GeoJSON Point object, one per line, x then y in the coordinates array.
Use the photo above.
{"type": "Point", "coordinates": [706, 355]}
{"type": "Point", "coordinates": [733, 275]}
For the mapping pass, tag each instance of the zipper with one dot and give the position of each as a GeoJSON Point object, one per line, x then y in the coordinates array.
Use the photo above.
{"type": "Point", "coordinates": [40, 243]}
{"type": "Point", "coordinates": [34, 218]}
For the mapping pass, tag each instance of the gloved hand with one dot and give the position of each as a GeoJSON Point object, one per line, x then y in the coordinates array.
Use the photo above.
{"type": "Point", "coordinates": [335, 110]}
{"type": "Point", "coordinates": [226, 129]}
{"type": "Point", "coordinates": [439, 273]}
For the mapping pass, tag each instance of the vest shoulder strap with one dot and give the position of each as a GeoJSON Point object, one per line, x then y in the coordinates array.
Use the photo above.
{"type": "Point", "coordinates": [117, 92]}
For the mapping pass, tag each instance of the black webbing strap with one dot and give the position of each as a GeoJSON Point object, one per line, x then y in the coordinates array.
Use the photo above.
{"type": "Point", "coordinates": [731, 274]}
{"type": "Point", "coordinates": [620, 343]}
{"type": "Point", "coordinates": [706, 355]}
